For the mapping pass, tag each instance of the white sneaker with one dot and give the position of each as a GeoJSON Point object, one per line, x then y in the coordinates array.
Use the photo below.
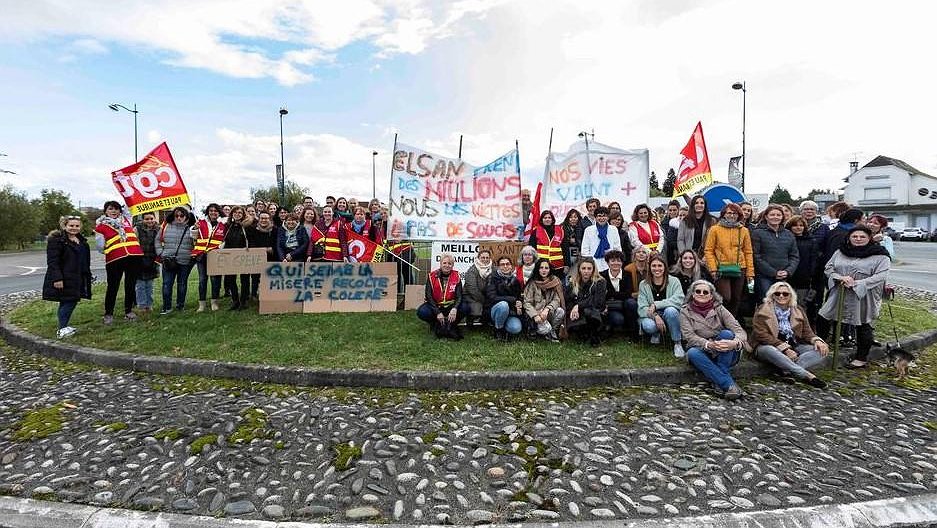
{"type": "Point", "coordinates": [678, 351]}
{"type": "Point", "coordinates": [655, 339]}
{"type": "Point", "coordinates": [66, 332]}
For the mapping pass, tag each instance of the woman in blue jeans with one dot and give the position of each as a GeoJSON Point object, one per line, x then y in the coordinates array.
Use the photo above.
{"type": "Point", "coordinates": [503, 300]}
{"type": "Point", "coordinates": [174, 247]}
{"type": "Point", "coordinates": [714, 337]}
{"type": "Point", "coordinates": [659, 299]}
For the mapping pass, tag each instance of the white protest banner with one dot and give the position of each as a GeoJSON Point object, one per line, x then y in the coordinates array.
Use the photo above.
{"type": "Point", "coordinates": [593, 170]}
{"type": "Point", "coordinates": [437, 198]}
{"type": "Point", "coordinates": [463, 252]}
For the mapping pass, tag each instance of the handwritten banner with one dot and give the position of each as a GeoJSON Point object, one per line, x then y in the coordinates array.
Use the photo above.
{"type": "Point", "coordinates": [236, 261]}
{"type": "Point", "coordinates": [595, 171]}
{"type": "Point", "coordinates": [437, 198]}
{"type": "Point", "coordinates": [317, 287]}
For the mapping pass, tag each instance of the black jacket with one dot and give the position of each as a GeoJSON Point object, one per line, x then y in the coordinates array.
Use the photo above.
{"type": "Point", "coordinates": [591, 299]}
{"type": "Point", "coordinates": [500, 288]}
{"type": "Point", "coordinates": [803, 276]}
{"type": "Point", "coordinates": [774, 251]}
{"type": "Point", "coordinates": [149, 269]}
{"type": "Point", "coordinates": [257, 238]}
{"type": "Point", "coordinates": [625, 287]}
{"type": "Point", "coordinates": [69, 263]}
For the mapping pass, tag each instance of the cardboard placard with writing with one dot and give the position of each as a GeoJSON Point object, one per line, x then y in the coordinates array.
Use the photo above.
{"type": "Point", "coordinates": [498, 249]}
{"type": "Point", "coordinates": [237, 261]}
{"type": "Point", "coordinates": [281, 284]}
{"type": "Point", "coordinates": [414, 296]}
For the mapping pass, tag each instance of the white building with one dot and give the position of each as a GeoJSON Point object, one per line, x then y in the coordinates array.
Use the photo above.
{"type": "Point", "coordinates": [896, 190]}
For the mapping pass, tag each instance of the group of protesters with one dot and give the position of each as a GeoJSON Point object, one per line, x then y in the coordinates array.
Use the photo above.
{"type": "Point", "coordinates": [683, 275]}
{"type": "Point", "coordinates": [679, 274]}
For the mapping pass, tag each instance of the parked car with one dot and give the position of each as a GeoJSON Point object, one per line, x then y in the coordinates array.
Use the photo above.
{"type": "Point", "coordinates": [914, 233]}
{"type": "Point", "coordinates": [933, 235]}
{"type": "Point", "coordinates": [892, 233]}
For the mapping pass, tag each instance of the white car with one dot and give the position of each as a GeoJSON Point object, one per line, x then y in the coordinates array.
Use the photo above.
{"type": "Point", "coordinates": [913, 233]}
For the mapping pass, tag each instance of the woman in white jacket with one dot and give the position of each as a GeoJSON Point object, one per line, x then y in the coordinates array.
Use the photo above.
{"type": "Point", "coordinates": [599, 239]}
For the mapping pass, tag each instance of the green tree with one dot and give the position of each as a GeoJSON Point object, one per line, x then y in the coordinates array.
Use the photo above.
{"type": "Point", "coordinates": [781, 196]}
{"type": "Point", "coordinates": [670, 182]}
{"type": "Point", "coordinates": [654, 186]}
{"type": "Point", "coordinates": [294, 194]}
{"type": "Point", "coordinates": [53, 204]}
{"type": "Point", "coordinates": [19, 223]}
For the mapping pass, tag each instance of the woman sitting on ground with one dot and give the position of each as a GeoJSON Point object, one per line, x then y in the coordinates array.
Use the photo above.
{"type": "Point", "coordinates": [585, 301]}
{"type": "Point", "coordinates": [443, 308]}
{"type": "Point", "coordinates": [659, 300]}
{"type": "Point", "coordinates": [620, 304]}
{"type": "Point", "coordinates": [544, 303]}
{"type": "Point", "coordinates": [503, 300]}
{"type": "Point", "coordinates": [688, 269]}
{"type": "Point", "coordinates": [781, 335]}
{"type": "Point", "coordinates": [714, 337]}
{"type": "Point", "coordinates": [525, 264]}
{"type": "Point", "coordinates": [475, 282]}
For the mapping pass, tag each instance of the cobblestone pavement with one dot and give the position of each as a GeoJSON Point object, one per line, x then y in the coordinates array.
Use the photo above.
{"type": "Point", "coordinates": [73, 433]}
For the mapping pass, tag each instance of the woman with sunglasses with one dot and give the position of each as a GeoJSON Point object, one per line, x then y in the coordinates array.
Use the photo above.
{"type": "Point", "coordinates": [174, 247]}
{"type": "Point", "coordinates": [68, 271]}
{"type": "Point", "coordinates": [781, 335]}
{"type": "Point", "coordinates": [714, 337]}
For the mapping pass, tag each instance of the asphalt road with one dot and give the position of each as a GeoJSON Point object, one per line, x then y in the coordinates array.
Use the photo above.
{"type": "Point", "coordinates": [916, 268]}
{"type": "Point", "coordinates": [25, 271]}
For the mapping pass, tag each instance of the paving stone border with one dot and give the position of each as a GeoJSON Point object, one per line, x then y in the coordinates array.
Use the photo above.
{"type": "Point", "coordinates": [918, 511]}
{"type": "Point", "coordinates": [436, 380]}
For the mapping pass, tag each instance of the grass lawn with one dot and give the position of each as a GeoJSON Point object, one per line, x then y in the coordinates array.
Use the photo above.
{"type": "Point", "coordinates": [387, 340]}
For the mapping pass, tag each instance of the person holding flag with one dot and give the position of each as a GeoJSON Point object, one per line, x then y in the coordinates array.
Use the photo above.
{"type": "Point", "coordinates": [548, 239]}
{"type": "Point", "coordinates": [116, 238]}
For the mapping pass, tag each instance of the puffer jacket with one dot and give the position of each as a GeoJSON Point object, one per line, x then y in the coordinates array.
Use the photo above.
{"type": "Point", "coordinates": [175, 240]}
{"type": "Point", "coordinates": [765, 327]}
{"type": "Point", "coordinates": [722, 247]}
{"type": "Point", "coordinates": [774, 251]}
{"type": "Point", "coordinates": [502, 288]}
{"type": "Point", "coordinates": [698, 329]}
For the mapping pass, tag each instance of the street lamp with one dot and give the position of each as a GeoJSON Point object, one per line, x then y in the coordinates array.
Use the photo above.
{"type": "Point", "coordinates": [116, 107]}
{"type": "Point", "coordinates": [283, 112]}
{"type": "Point", "coordinates": [741, 86]}
{"type": "Point", "coordinates": [373, 174]}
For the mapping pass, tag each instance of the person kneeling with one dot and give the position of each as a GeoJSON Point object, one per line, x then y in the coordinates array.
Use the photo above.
{"type": "Point", "coordinates": [443, 307]}
{"type": "Point", "coordinates": [621, 307]}
{"type": "Point", "coordinates": [585, 298]}
{"type": "Point", "coordinates": [659, 300]}
{"type": "Point", "coordinates": [544, 303]}
{"type": "Point", "coordinates": [503, 300]}
{"type": "Point", "coordinates": [715, 337]}
{"type": "Point", "coordinates": [781, 335]}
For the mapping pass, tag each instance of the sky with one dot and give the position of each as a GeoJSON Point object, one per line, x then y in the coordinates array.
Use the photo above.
{"type": "Point", "coordinates": [826, 83]}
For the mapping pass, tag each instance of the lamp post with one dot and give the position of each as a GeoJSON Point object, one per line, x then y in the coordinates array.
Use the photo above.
{"type": "Point", "coordinates": [373, 174]}
{"type": "Point", "coordinates": [116, 107]}
{"type": "Point", "coordinates": [741, 86]}
{"type": "Point", "coordinates": [283, 112]}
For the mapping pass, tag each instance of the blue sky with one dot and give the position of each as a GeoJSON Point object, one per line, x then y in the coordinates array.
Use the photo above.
{"type": "Point", "coordinates": [827, 83]}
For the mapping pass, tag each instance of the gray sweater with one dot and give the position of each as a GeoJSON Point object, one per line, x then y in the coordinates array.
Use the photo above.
{"type": "Point", "coordinates": [168, 241]}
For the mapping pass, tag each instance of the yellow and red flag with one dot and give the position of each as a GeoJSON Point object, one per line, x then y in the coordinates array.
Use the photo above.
{"type": "Point", "coordinates": [152, 183]}
{"type": "Point", "coordinates": [694, 174]}
{"type": "Point", "coordinates": [362, 248]}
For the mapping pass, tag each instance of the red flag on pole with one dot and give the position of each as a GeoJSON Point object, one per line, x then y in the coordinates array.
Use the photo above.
{"type": "Point", "coordinates": [152, 183]}
{"type": "Point", "coordinates": [362, 248]}
{"type": "Point", "coordinates": [694, 173]}
{"type": "Point", "coordinates": [533, 221]}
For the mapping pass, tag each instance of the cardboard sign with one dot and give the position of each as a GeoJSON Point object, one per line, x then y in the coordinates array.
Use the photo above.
{"type": "Point", "coordinates": [318, 287]}
{"type": "Point", "coordinates": [500, 249]}
{"type": "Point", "coordinates": [414, 296]}
{"type": "Point", "coordinates": [463, 251]}
{"type": "Point", "coordinates": [237, 261]}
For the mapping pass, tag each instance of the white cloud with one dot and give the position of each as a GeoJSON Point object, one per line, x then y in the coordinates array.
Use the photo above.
{"type": "Point", "coordinates": [154, 137]}
{"type": "Point", "coordinates": [231, 37]}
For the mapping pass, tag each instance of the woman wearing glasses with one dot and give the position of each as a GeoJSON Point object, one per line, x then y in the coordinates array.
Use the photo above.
{"type": "Point", "coordinates": [782, 336]}
{"type": "Point", "coordinates": [714, 337]}
{"type": "Point", "coordinates": [68, 270]}
{"type": "Point", "coordinates": [174, 247]}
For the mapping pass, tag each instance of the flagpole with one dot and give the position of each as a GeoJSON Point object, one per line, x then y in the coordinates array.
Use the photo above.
{"type": "Point", "coordinates": [393, 157]}
{"type": "Point", "coordinates": [460, 146]}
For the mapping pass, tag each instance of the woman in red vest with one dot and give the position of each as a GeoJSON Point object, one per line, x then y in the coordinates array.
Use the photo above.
{"type": "Point", "coordinates": [208, 233]}
{"type": "Point", "coordinates": [645, 231]}
{"type": "Point", "coordinates": [116, 238]}
{"type": "Point", "coordinates": [333, 237]}
{"type": "Point", "coordinates": [443, 309]}
{"type": "Point", "coordinates": [549, 241]}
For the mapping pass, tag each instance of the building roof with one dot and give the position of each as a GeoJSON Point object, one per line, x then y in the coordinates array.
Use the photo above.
{"type": "Point", "coordinates": [884, 161]}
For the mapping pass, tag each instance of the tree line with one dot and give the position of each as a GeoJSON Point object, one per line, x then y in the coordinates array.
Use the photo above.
{"type": "Point", "coordinates": [26, 220]}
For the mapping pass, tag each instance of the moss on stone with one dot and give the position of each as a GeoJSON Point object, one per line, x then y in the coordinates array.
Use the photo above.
{"type": "Point", "coordinates": [930, 425]}
{"type": "Point", "coordinates": [170, 433]}
{"type": "Point", "coordinates": [253, 425]}
{"type": "Point", "coordinates": [39, 423]}
{"type": "Point", "coordinates": [345, 454]}
{"type": "Point", "coordinates": [115, 427]}
{"type": "Point", "coordinates": [199, 443]}
{"type": "Point", "coordinates": [279, 444]}
{"type": "Point", "coordinates": [430, 437]}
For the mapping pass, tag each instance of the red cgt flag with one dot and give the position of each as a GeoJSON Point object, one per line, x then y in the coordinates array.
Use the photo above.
{"type": "Point", "coordinates": [152, 183]}
{"type": "Point", "coordinates": [534, 220]}
{"type": "Point", "coordinates": [362, 248]}
{"type": "Point", "coordinates": [694, 173]}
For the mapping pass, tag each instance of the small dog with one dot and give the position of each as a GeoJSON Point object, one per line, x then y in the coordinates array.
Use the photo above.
{"type": "Point", "coordinates": [901, 359]}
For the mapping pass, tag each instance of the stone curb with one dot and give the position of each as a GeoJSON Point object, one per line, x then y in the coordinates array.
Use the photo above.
{"type": "Point", "coordinates": [441, 380]}
{"type": "Point", "coordinates": [919, 510]}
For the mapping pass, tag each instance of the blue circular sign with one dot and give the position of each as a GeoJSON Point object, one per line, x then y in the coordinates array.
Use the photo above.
{"type": "Point", "coordinates": [718, 195]}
